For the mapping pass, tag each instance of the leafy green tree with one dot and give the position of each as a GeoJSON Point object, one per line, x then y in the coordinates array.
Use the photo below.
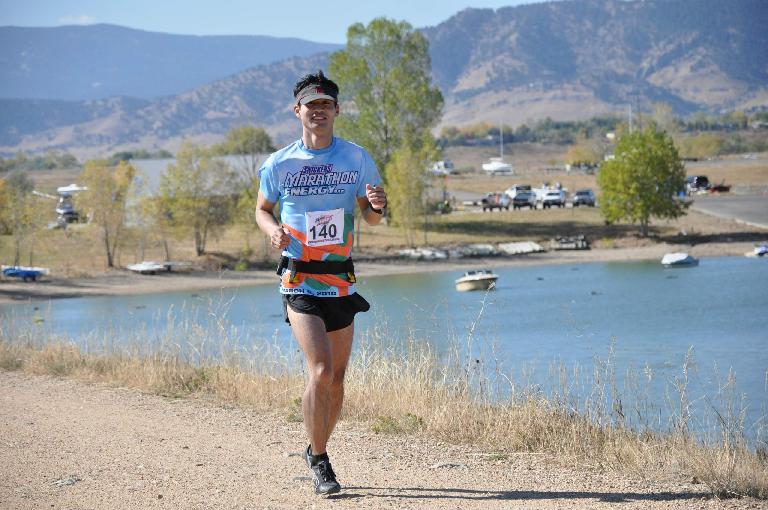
{"type": "Point", "coordinates": [17, 210]}
{"type": "Point", "coordinates": [407, 186]}
{"type": "Point", "coordinates": [196, 193]}
{"type": "Point", "coordinates": [643, 179]}
{"type": "Point", "coordinates": [106, 198]}
{"type": "Point", "coordinates": [249, 142]}
{"type": "Point", "coordinates": [4, 207]}
{"type": "Point", "coordinates": [384, 75]}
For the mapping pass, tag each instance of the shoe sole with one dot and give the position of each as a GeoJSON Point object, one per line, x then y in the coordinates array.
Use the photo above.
{"type": "Point", "coordinates": [331, 492]}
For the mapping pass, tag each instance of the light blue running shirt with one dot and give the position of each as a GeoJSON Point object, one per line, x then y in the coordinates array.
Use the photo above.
{"type": "Point", "coordinates": [317, 191]}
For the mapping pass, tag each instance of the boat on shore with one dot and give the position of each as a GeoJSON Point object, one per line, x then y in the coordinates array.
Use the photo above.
{"type": "Point", "coordinates": [480, 279]}
{"type": "Point", "coordinates": [496, 166]}
{"type": "Point", "coordinates": [678, 259]}
{"type": "Point", "coordinates": [147, 267]}
{"type": "Point", "coordinates": [23, 272]}
{"type": "Point", "coordinates": [578, 242]}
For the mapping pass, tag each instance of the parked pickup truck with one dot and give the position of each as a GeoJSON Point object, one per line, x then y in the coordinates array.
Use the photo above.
{"type": "Point", "coordinates": [496, 200]}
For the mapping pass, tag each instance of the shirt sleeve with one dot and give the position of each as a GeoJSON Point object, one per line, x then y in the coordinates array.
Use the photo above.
{"type": "Point", "coordinates": [369, 173]}
{"type": "Point", "coordinates": [268, 185]}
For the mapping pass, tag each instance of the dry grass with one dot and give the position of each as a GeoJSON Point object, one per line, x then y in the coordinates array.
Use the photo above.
{"type": "Point", "coordinates": [405, 388]}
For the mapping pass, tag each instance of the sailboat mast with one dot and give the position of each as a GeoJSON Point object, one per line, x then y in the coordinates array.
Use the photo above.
{"type": "Point", "coordinates": [501, 141]}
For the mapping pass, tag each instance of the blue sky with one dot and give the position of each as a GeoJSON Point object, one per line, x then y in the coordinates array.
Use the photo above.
{"type": "Point", "coordinates": [316, 21]}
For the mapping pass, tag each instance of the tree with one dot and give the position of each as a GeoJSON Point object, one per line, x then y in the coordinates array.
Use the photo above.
{"type": "Point", "coordinates": [407, 184]}
{"type": "Point", "coordinates": [384, 74]}
{"type": "Point", "coordinates": [643, 180]}
{"type": "Point", "coordinates": [107, 199]}
{"type": "Point", "coordinates": [196, 192]}
{"type": "Point", "coordinates": [17, 211]}
{"type": "Point", "coordinates": [250, 144]}
{"type": "Point", "coordinates": [583, 152]}
{"type": "Point", "coordinates": [20, 213]}
{"type": "Point", "coordinates": [664, 117]}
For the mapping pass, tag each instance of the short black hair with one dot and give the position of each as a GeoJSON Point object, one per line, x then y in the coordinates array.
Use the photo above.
{"type": "Point", "coordinates": [319, 79]}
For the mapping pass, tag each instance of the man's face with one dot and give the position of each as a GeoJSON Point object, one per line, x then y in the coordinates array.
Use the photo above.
{"type": "Point", "coordinates": [318, 115]}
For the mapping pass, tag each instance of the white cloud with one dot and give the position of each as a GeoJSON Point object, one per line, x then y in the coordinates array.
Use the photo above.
{"type": "Point", "coordinates": [79, 19]}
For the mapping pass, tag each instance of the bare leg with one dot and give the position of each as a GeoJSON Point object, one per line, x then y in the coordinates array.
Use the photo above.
{"type": "Point", "coordinates": [341, 347]}
{"type": "Point", "coordinates": [327, 356]}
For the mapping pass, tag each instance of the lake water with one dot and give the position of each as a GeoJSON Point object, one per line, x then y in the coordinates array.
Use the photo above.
{"type": "Point", "coordinates": [571, 314]}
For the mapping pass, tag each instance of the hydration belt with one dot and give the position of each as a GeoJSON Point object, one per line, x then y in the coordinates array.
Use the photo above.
{"type": "Point", "coordinates": [316, 267]}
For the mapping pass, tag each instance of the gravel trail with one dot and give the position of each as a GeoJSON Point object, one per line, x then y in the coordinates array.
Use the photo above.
{"type": "Point", "coordinates": [68, 444]}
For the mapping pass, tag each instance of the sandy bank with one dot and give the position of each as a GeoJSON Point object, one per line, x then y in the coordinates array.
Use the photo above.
{"type": "Point", "coordinates": [123, 282]}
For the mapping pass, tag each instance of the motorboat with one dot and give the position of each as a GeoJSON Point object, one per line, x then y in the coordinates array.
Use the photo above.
{"type": "Point", "coordinates": [678, 259]}
{"type": "Point", "coordinates": [480, 279]}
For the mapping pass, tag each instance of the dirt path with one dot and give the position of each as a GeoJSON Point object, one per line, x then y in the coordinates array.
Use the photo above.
{"type": "Point", "coordinates": [66, 444]}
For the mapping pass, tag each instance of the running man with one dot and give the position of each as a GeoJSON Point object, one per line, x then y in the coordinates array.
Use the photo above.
{"type": "Point", "coordinates": [318, 180]}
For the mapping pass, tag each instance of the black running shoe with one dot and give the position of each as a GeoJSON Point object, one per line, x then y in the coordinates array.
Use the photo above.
{"type": "Point", "coordinates": [322, 475]}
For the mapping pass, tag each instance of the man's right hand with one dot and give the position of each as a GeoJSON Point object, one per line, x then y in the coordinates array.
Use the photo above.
{"type": "Point", "coordinates": [280, 238]}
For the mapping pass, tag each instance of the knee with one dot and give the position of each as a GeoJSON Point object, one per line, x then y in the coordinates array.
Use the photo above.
{"type": "Point", "coordinates": [322, 375]}
{"type": "Point", "coordinates": [338, 378]}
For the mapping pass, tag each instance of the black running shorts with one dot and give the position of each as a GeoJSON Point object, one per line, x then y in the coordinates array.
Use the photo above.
{"type": "Point", "coordinates": [336, 312]}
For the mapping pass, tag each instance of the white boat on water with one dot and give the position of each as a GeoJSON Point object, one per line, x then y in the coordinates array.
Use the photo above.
{"type": "Point", "coordinates": [678, 259]}
{"type": "Point", "coordinates": [481, 279]}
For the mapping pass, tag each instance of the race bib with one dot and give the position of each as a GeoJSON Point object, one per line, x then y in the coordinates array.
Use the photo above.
{"type": "Point", "coordinates": [324, 227]}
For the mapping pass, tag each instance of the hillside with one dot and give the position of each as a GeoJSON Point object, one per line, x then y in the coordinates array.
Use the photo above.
{"type": "Point", "coordinates": [98, 61]}
{"type": "Point", "coordinates": [569, 60]}
{"type": "Point", "coordinates": [566, 60]}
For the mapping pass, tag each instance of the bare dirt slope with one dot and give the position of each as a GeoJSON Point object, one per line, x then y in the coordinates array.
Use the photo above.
{"type": "Point", "coordinates": [66, 444]}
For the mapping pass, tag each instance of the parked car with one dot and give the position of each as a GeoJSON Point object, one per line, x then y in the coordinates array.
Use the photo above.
{"type": "Point", "coordinates": [524, 199]}
{"type": "Point", "coordinates": [495, 200]}
{"type": "Point", "coordinates": [554, 197]}
{"type": "Point", "coordinates": [696, 183]}
{"type": "Point", "coordinates": [443, 167]}
{"type": "Point", "coordinates": [513, 190]}
{"type": "Point", "coordinates": [584, 197]}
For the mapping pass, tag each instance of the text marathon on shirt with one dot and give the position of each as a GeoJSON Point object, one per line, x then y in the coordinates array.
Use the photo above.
{"type": "Point", "coordinates": [318, 180]}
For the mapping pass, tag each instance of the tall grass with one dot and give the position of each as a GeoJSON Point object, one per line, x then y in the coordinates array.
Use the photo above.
{"type": "Point", "coordinates": [402, 386]}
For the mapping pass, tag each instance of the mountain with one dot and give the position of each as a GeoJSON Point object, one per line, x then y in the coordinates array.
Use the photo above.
{"type": "Point", "coordinates": [566, 60]}
{"type": "Point", "coordinates": [570, 59]}
{"type": "Point", "coordinates": [99, 61]}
